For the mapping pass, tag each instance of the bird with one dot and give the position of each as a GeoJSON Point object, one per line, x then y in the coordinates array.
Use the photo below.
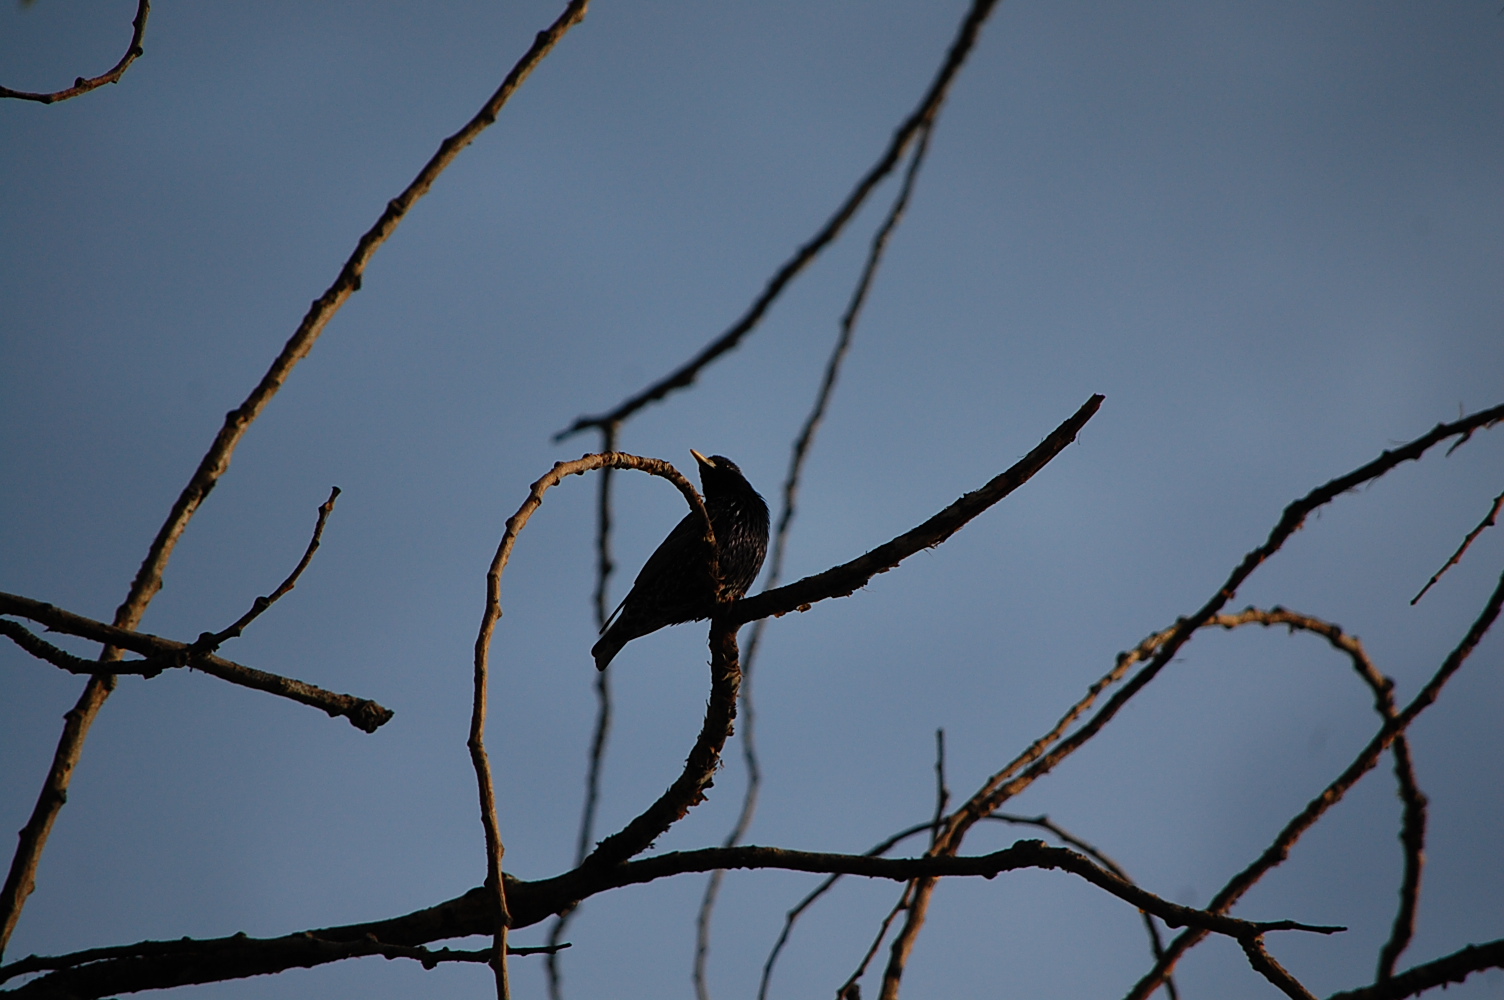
{"type": "Point", "coordinates": [674, 585]}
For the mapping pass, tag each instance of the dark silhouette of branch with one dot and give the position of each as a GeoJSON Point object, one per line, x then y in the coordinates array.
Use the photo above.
{"type": "Point", "coordinates": [1413, 840]}
{"type": "Point", "coordinates": [209, 642]}
{"type": "Point", "coordinates": [1453, 968]}
{"type": "Point", "coordinates": [81, 85]}
{"type": "Point", "coordinates": [334, 950]}
{"type": "Point", "coordinates": [1487, 522]}
{"type": "Point", "coordinates": [162, 654]}
{"type": "Point", "coordinates": [800, 453]}
{"type": "Point", "coordinates": [21, 878]}
{"type": "Point", "coordinates": [1023, 854]}
{"type": "Point", "coordinates": [1291, 521]}
{"type": "Point", "coordinates": [921, 118]}
{"type": "Point", "coordinates": [846, 579]}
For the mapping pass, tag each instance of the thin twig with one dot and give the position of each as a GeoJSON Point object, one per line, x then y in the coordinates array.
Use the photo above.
{"type": "Point", "coordinates": [81, 85]}
{"type": "Point", "coordinates": [1156, 944]}
{"type": "Point", "coordinates": [211, 641]}
{"type": "Point", "coordinates": [1021, 855]}
{"type": "Point", "coordinates": [849, 990]}
{"type": "Point", "coordinates": [942, 790]}
{"type": "Point", "coordinates": [21, 879]}
{"type": "Point", "coordinates": [1413, 840]}
{"type": "Point", "coordinates": [923, 115]}
{"type": "Point", "coordinates": [1487, 522]}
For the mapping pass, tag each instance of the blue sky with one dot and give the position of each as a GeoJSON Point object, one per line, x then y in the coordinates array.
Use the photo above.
{"type": "Point", "coordinates": [1270, 234]}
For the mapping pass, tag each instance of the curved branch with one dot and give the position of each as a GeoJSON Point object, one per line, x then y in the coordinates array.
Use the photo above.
{"type": "Point", "coordinates": [495, 850]}
{"type": "Point", "coordinates": [922, 116]}
{"type": "Point", "coordinates": [82, 86]}
{"type": "Point", "coordinates": [162, 654]}
{"type": "Point", "coordinates": [1275, 854]}
{"type": "Point", "coordinates": [688, 790]}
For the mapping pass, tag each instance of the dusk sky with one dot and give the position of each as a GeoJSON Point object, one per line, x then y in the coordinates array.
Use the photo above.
{"type": "Point", "coordinates": [1272, 235]}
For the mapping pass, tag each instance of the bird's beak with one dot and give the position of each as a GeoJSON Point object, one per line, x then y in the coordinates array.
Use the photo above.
{"type": "Point", "coordinates": [702, 459]}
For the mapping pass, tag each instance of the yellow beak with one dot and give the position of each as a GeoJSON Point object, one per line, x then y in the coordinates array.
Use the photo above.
{"type": "Point", "coordinates": [702, 459]}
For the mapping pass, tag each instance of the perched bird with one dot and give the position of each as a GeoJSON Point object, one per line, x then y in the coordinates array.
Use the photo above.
{"type": "Point", "coordinates": [674, 585]}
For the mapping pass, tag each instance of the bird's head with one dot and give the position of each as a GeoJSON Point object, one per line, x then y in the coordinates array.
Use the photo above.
{"type": "Point", "coordinates": [718, 474]}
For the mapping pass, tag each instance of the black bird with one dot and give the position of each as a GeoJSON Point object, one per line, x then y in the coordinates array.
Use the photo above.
{"type": "Point", "coordinates": [673, 585]}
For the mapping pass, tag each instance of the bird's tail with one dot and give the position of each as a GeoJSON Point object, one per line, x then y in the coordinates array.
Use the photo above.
{"type": "Point", "coordinates": [609, 645]}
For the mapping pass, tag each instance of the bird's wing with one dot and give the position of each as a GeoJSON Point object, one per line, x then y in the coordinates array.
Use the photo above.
{"type": "Point", "coordinates": [673, 552]}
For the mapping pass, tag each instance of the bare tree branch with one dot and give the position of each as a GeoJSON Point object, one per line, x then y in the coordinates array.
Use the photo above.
{"type": "Point", "coordinates": [82, 86]}
{"type": "Point", "coordinates": [922, 116]}
{"type": "Point", "coordinates": [846, 579]}
{"type": "Point", "coordinates": [1413, 824]}
{"type": "Point", "coordinates": [850, 990]}
{"type": "Point", "coordinates": [161, 654]}
{"type": "Point", "coordinates": [687, 790]}
{"type": "Point", "coordinates": [44, 650]}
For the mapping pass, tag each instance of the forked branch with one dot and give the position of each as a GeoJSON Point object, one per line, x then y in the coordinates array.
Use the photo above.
{"type": "Point", "coordinates": [161, 654]}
